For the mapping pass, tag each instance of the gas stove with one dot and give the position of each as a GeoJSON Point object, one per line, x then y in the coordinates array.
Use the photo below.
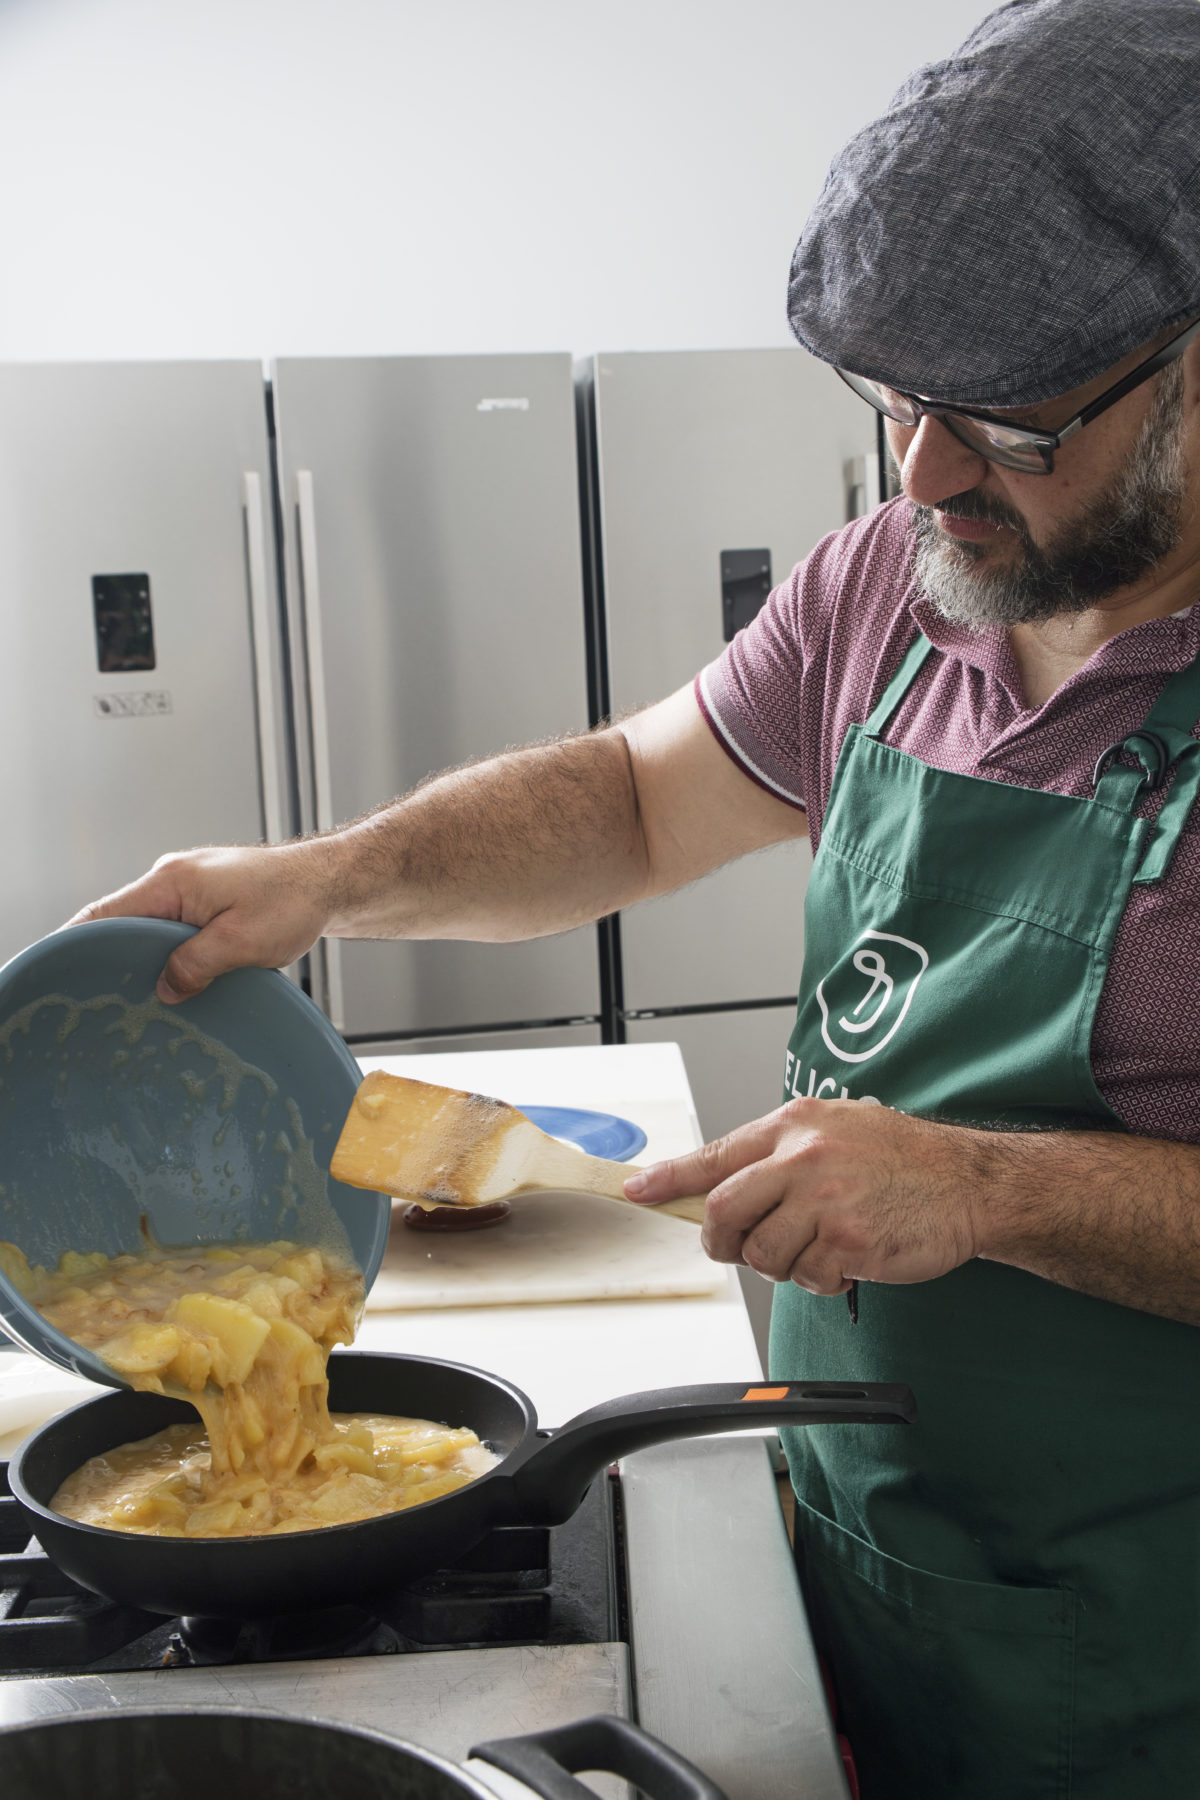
{"type": "Point", "coordinates": [668, 1598]}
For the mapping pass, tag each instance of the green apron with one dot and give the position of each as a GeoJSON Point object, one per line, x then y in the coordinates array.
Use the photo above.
{"type": "Point", "coordinates": [1009, 1590]}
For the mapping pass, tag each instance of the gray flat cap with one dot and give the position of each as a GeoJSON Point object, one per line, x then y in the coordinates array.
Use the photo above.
{"type": "Point", "coordinates": [1024, 214]}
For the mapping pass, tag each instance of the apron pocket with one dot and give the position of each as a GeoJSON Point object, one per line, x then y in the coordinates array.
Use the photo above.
{"type": "Point", "coordinates": [959, 1689]}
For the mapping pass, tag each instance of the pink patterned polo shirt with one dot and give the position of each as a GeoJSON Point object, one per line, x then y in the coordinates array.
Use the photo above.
{"type": "Point", "coordinates": [818, 656]}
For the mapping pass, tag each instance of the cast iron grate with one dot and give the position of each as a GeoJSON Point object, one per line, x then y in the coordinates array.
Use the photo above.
{"type": "Point", "coordinates": [46, 1621]}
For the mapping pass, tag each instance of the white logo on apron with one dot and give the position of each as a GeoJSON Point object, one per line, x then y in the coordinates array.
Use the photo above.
{"type": "Point", "coordinates": [857, 1023]}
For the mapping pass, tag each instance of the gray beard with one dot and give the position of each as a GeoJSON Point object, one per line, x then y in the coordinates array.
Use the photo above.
{"type": "Point", "coordinates": [1122, 533]}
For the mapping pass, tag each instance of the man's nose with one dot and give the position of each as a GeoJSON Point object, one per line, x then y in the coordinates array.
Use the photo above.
{"type": "Point", "coordinates": [934, 465]}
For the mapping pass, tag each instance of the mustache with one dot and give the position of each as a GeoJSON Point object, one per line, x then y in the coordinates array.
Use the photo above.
{"type": "Point", "coordinates": [975, 505]}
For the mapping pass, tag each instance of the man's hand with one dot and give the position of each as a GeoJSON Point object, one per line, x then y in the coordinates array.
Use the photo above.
{"type": "Point", "coordinates": [824, 1192]}
{"type": "Point", "coordinates": [254, 906]}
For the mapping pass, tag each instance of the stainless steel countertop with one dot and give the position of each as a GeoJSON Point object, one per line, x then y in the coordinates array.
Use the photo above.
{"type": "Point", "coordinates": [444, 1700]}
{"type": "Point", "coordinates": [723, 1662]}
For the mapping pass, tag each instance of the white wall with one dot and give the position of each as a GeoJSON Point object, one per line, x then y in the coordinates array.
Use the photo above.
{"type": "Point", "coordinates": [252, 177]}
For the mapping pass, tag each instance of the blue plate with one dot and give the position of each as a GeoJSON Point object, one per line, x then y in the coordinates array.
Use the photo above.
{"type": "Point", "coordinates": [212, 1120]}
{"type": "Point", "coordinates": [600, 1134]}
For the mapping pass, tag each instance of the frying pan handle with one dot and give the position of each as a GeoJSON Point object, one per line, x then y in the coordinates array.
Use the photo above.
{"type": "Point", "coordinates": [547, 1761]}
{"type": "Point", "coordinates": [552, 1480]}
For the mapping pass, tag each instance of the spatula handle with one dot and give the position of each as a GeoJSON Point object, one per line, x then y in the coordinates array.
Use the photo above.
{"type": "Point", "coordinates": [688, 1206]}
{"type": "Point", "coordinates": [609, 1178]}
{"type": "Point", "coordinates": [596, 1175]}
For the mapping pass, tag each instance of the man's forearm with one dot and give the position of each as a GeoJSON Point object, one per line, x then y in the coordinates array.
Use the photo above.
{"type": "Point", "coordinates": [531, 842]}
{"type": "Point", "coordinates": [1110, 1215]}
{"type": "Point", "coordinates": [825, 1192]}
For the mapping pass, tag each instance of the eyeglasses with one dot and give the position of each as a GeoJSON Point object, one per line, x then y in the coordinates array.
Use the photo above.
{"type": "Point", "coordinates": [1013, 446]}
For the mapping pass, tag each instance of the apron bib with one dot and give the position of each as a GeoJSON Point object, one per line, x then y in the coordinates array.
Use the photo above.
{"type": "Point", "coordinates": [1008, 1590]}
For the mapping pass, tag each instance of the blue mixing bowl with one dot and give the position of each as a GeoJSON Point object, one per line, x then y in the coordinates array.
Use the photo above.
{"type": "Point", "coordinates": [209, 1121]}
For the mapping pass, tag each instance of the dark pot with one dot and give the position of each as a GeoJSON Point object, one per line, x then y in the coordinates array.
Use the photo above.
{"type": "Point", "coordinates": [214, 1753]}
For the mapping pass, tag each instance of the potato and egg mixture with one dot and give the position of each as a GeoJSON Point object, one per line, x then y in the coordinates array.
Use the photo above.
{"type": "Point", "coordinates": [244, 1333]}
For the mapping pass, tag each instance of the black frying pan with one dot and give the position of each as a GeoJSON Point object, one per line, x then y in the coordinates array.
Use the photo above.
{"type": "Point", "coordinates": [537, 1481]}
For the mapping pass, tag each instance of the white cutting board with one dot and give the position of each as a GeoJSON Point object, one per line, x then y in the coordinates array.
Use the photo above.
{"type": "Point", "coordinates": [554, 1247]}
{"type": "Point", "coordinates": [557, 1247]}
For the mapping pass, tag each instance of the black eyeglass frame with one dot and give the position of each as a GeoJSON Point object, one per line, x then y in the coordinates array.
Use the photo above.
{"type": "Point", "coordinates": [1024, 437]}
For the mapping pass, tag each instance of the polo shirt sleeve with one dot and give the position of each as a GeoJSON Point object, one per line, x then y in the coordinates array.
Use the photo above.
{"type": "Point", "coordinates": [750, 695]}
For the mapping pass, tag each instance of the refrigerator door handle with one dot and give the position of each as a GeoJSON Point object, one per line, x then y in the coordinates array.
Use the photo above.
{"type": "Point", "coordinates": [310, 585]}
{"type": "Point", "coordinates": [261, 637]}
{"type": "Point", "coordinates": [861, 475]}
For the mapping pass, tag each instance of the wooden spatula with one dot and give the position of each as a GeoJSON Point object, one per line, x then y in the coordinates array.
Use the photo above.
{"type": "Point", "coordinates": [443, 1147]}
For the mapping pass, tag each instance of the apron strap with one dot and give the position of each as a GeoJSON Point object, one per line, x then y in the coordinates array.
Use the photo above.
{"type": "Point", "coordinates": [899, 685]}
{"type": "Point", "coordinates": [1173, 813]}
{"type": "Point", "coordinates": [1163, 744]}
{"type": "Point", "coordinates": [1178, 706]}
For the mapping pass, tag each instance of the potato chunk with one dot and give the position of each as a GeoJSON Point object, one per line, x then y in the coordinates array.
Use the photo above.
{"type": "Point", "coordinates": [223, 1516]}
{"type": "Point", "coordinates": [236, 1332]}
{"type": "Point", "coordinates": [143, 1349]}
{"type": "Point", "coordinates": [307, 1360]}
{"type": "Point", "coordinates": [344, 1455]}
{"type": "Point", "coordinates": [192, 1365]}
{"type": "Point", "coordinates": [15, 1266]}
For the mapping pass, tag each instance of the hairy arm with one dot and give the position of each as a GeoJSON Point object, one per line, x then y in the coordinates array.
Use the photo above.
{"type": "Point", "coordinates": [542, 839]}
{"type": "Point", "coordinates": [1107, 1214]}
{"type": "Point", "coordinates": [527, 843]}
{"type": "Point", "coordinates": [823, 1192]}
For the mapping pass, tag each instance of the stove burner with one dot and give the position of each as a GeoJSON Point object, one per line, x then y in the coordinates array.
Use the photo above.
{"type": "Point", "coordinates": [290, 1637]}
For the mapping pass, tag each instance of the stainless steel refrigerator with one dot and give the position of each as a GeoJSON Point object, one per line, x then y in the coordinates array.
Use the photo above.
{"type": "Point", "coordinates": [144, 705]}
{"type": "Point", "coordinates": [188, 663]}
{"type": "Point", "coordinates": [711, 474]}
{"type": "Point", "coordinates": [431, 548]}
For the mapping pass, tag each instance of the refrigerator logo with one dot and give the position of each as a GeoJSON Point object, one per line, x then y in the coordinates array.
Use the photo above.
{"type": "Point", "coordinates": [857, 1020]}
{"type": "Point", "coordinates": [149, 705]}
{"type": "Point", "coordinates": [503, 404]}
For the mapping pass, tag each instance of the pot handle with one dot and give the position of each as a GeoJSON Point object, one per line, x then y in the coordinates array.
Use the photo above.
{"type": "Point", "coordinates": [557, 1472]}
{"type": "Point", "coordinates": [547, 1761]}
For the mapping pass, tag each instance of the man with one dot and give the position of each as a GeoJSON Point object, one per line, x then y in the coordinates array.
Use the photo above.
{"type": "Point", "coordinates": [982, 704]}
